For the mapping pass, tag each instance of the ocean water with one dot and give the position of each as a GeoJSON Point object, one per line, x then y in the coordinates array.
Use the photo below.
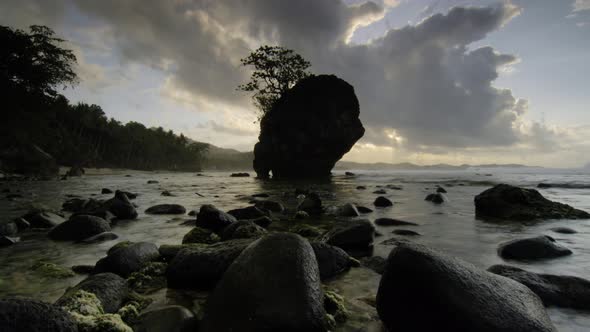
{"type": "Point", "coordinates": [450, 227]}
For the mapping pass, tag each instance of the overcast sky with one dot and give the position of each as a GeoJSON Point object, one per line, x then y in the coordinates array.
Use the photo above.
{"type": "Point", "coordinates": [444, 81]}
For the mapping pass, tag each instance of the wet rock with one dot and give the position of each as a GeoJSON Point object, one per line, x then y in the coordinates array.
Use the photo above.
{"type": "Point", "coordinates": [167, 193]}
{"type": "Point", "coordinates": [6, 241]}
{"type": "Point", "coordinates": [192, 213]}
{"type": "Point", "coordinates": [83, 269]}
{"type": "Point", "coordinates": [51, 270]}
{"type": "Point", "coordinates": [171, 318]}
{"type": "Point", "coordinates": [200, 235]}
{"type": "Point", "coordinates": [166, 209]}
{"type": "Point", "coordinates": [243, 229]}
{"type": "Point", "coordinates": [539, 247]}
{"type": "Point", "coordinates": [152, 182]}
{"type": "Point", "coordinates": [382, 202]}
{"type": "Point", "coordinates": [79, 205]}
{"type": "Point", "coordinates": [393, 222]}
{"type": "Point", "coordinates": [127, 260]}
{"type": "Point", "coordinates": [348, 210]}
{"type": "Point", "coordinates": [441, 190]}
{"type": "Point", "coordinates": [554, 290]}
{"type": "Point", "coordinates": [239, 175]}
{"type": "Point", "coordinates": [301, 215]}
{"type": "Point", "coordinates": [308, 130]}
{"type": "Point", "coordinates": [375, 263]}
{"type": "Point", "coordinates": [120, 206]}
{"type": "Point", "coordinates": [201, 267]}
{"type": "Point", "coordinates": [363, 209]}
{"type": "Point", "coordinates": [102, 237]}
{"type": "Point", "coordinates": [361, 188]}
{"type": "Point", "coordinates": [349, 174]}
{"type": "Point", "coordinates": [394, 187]}
{"type": "Point", "coordinates": [312, 204]}
{"type": "Point", "coordinates": [283, 292]}
{"type": "Point", "coordinates": [250, 212]}
{"type": "Point", "coordinates": [307, 231]}
{"type": "Point", "coordinates": [109, 288]}
{"type": "Point", "coordinates": [75, 171]}
{"type": "Point", "coordinates": [380, 192]}
{"type": "Point", "coordinates": [105, 191]}
{"type": "Point", "coordinates": [564, 230]}
{"type": "Point", "coordinates": [150, 278]}
{"type": "Point", "coordinates": [270, 206]}
{"type": "Point", "coordinates": [351, 235]}
{"type": "Point", "coordinates": [30, 315]}
{"type": "Point", "coordinates": [79, 227]}
{"type": "Point", "coordinates": [513, 203]}
{"type": "Point", "coordinates": [335, 307]}
{"type": "Point", "coordinates": [405, 232]}
{"type": "Point", "coordinates": [332, 261]}
{"type": "Point", "coordinates": [425, 290]}
{"type": "Point", "coordinates": [119, 245]}
{"type": "Point", "coordinates": [436, 198]}
{"type": "Point", "coordinates": [43, 219]}
{"type": "Point", "coordinates": [214, 219]}
{"type": "Point", "coordinates": [8, 228]}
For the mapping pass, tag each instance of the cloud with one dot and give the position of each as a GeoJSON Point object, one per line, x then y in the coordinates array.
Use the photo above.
{"type": "Point", "coordinates": [423, 88]}
{"type": "Point", "coordinates": [581, 5]}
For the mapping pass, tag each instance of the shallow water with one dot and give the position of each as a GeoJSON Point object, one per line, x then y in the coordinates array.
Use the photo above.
{"type": "Point", "coordinates": [450, 227]}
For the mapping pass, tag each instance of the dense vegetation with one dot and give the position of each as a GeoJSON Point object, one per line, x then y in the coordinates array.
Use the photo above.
{"type": "Point", "coordinates": [276, 70]}
{"type": "Point", "coordinates": [33, 66]}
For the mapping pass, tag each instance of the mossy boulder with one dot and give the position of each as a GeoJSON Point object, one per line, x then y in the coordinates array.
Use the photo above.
{"type": "Point", "coordinates": [151, 277]}
{"type": "Point", "coordinates": [334, 305]}
{"type": "Point", "coordinates": [243, 229]}
{"type": "Point", "coordinates": [51, 270]}
{"type": "Point", "coordinates": [200, 235]}
{"type": "Point", "coordinates": [109, 288]}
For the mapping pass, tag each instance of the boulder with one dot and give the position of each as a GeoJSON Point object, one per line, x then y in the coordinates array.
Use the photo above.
{"type": "Point", "coordinates": [127, 260]}
{"type": "Point", "coordinates": [200, 235]}
{"type": "Point", "coordinates": [28, 160]}
{"type": "Point", "coordinates": [441, 190]}
{"type": "Point", "coordinates": [382, 202]}
{"type": "Point", "coordinates": [243, 229]}
{"type": "Point", "coordinates": [425, 290]}
{"type": "Point", "coordinates": [166, 209]}
{"type": "Point", "coordinates": [308, 129]}
{"type": "Point", "coordinates": [274, 285]}
{"type": "Point", "coordinates": [539, 247]}
{"type": "Point", "coordinates": [436, 198]}
{"type": "Point", "coordinates": [393, 222]}
{"type": "Point", "coordinates": [564, 230]}
{"type": "Point", "coordinates": [6, 241]}
{"type": "Point", "coordinates": [270, 206]}
{"type": "Point", "coordinates": [355, 234]}
{"type": "Point", "coordinates": [348, 210]}
{"type": "Point", "coordinates": [513, 203]}
{"type": "Point", "coordinates": [201, 267]}
{"type": "Point", "coordinates": [239, 175]}
{"type": "Point", "coordinates": [120, 206]}
{"type": "Point", "coordinates": [101, 237]}
{"type": "Point", "coordinates": [75, 171]}
{"type": "Point", "coordinates": [311, 204]}
{"type": "Point", "coordinates": [171, 318]}
{"type": "Point", "coordinates": [105, 191]}
{"type": "Point", "coordinates": [30, 315]}
{"type": "Point", "coordinates": [250, 212]}
{"type": "Point", "coordinates": [109, 288]}
{"type": "Point", "coordinates": [212, 218]}
{"type": "Point", "coordinates": [8, 228]}
{"type": "Point", "coordinates": [332, 261]}
{"type": "Point", "coordinates": [43, 219]}
{"type": "Point", "coordinates": [79, 227]}
{"type": "Point", "coordinates": [554, 290]}
{"type": "Point", "coordinates": [153, 182]}
{"type": "Point", "coordinates": [363, 209]}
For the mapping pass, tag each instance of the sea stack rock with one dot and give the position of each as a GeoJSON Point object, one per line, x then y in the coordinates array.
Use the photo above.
{"type": "Point", "coordinates": [309, 129]}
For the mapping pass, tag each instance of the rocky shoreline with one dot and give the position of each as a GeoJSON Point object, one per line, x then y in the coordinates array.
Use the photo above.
{"type": "Point", "coordinates": [269, 266]}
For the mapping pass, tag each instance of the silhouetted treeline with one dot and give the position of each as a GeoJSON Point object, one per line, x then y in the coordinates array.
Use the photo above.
{"type": "Point", "coordinates": [32, 68]}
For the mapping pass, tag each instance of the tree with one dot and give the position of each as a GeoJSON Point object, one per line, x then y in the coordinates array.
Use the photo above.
{"type": "Point", "coordinates": [34, 62]}
{"type": "Point", "coordinates": [276, 70]}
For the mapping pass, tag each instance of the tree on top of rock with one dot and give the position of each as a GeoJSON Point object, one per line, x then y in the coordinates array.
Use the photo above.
{"type": "Point", "coordinates": [276, 70]}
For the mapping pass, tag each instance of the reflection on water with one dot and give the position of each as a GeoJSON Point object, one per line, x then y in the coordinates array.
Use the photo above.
{"type": "Point", "coordinates": [451, 227]}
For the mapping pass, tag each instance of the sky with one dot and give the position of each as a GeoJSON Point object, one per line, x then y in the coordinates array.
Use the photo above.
{"type": "Point", "coordinates": [438, 81]}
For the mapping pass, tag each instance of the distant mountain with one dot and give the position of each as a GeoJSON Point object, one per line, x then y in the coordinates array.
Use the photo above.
{"type": "Point", "coordinates": [342, 165]}
{"type": "Point", "coordinates": [218, 158]}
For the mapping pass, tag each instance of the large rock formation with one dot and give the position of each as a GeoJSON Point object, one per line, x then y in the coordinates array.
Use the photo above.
{"type": "Point", "coordinates": [513, 203]}
{"type": "Point", "coordinates": [309, 129]}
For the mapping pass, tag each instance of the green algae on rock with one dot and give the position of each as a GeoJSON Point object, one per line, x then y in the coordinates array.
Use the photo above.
{"type": "Point", "coordinates": [52, 270]}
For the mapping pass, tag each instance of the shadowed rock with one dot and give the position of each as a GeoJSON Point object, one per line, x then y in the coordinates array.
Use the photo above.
{"type": "Point", "coordinates": [309, 129]}
{"type": "Point", "coordinates": [425, 290]}
{"type": "Point", "coordinates": [274, 285]}
{"type": "Point", "coordinates": [554, 290]}
{"type": "Point", "coordinates": [332, 261]}
{"type": "Point", "coordinates": [18, 315]}
{"type": "Point", "coordinates": [127, 260]}
{"type": "Point", "coordinates": [212, 218]}
{"type": "Point", "coordinates": [513, 203]}
{"type": "Point", "coordinates": [109, 288]}
{"type": "Point", "coordinates": [79, 227]}
{"type": "Point", "coordinates": [166, 209]}
{"type": "Point", "coordinates": [539, 247]}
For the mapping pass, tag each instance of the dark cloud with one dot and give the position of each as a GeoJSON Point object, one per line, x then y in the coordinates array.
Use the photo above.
{"type": "Point", "coordinates": [425, 83]}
